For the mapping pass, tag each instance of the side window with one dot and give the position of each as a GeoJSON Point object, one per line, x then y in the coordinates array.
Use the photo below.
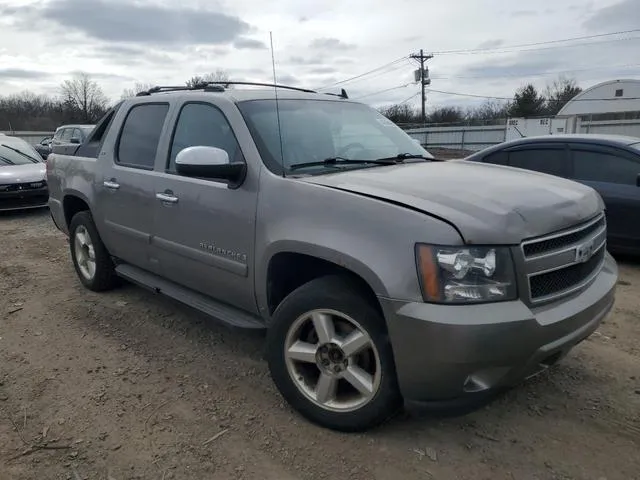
{"type": "Point", "coordinates": [91, 146]}
{"type": "Point", "coordinates": [544, 160]}
{"type": "Point", "coordinates": [140, 135]}
{"type": "Point", "coordinates": [201, 124]}
{"type": "Point", "coordinates": [497, 158]}
{"type": "Point", "coordinates": [604, 167]}
{"type": "Point", "coordinates": [77, 133]}
{"type": "Point", "coordinates": [66, 135]}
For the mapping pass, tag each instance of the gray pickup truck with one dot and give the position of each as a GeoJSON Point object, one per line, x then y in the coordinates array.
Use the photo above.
{"type": "Point", "coordinates": [382, 275]}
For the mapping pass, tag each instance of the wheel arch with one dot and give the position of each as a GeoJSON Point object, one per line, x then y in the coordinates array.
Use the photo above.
{"type": "Point", "coordinates": [294, 264]}
{"type": "Point", "coordinates": [72, 203]}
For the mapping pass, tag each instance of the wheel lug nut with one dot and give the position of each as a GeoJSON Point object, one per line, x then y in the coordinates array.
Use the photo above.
{"type": "Point", "coordinates": [325, 362]}
{"type": "Point", "coordinates": [337, 369]}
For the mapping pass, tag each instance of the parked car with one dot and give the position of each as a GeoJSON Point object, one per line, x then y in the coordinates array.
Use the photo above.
{"type": "Point", "coordinates": [68, 137]}
{"type": "Point", "coordinates": [44, 147]}
{"type": "Point", "coordinates": [22, 176]}
{"type": "Point", "coordinates": [381, 275]}
{"type": "Point", "coordinates": [608, 163]}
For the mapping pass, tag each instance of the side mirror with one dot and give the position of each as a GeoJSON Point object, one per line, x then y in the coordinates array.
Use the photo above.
{"type": "Point", "coordinates": [210, 162]}
{"type": "Point", "coordinates": [75, 140]}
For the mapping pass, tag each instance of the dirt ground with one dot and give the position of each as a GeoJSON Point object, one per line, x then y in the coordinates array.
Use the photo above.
{"type": "Point", "coordinates": [128, 385]}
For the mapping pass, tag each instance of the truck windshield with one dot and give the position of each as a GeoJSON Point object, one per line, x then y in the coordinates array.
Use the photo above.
{"type": "Point", "coordinates": [316, 130]}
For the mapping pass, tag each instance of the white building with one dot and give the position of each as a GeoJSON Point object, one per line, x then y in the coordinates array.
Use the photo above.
{"type": "Point", "coordinates": [610, 107]}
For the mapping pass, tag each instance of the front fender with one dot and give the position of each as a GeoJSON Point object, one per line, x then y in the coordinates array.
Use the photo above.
{"type": "Point", "coordinates": [326, 253]}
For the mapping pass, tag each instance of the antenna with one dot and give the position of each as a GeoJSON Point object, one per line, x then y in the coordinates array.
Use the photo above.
{"type": "Point", "coordinates": [275, 89]}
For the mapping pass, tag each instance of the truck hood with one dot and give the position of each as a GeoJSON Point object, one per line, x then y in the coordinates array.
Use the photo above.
{"type": "Point", "coordinates": [31, 172]}
{"type": "Point", "coordinates": [487, 204]}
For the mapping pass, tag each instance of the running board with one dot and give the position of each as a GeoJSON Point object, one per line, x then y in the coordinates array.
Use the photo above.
{"type": "Point", "coordinates": [218, 310]}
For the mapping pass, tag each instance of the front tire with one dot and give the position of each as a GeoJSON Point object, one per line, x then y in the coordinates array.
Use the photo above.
{"type": "Point", "coordinates": [90, 257]}
{"type": "Point", "coordinates": [330, 356]}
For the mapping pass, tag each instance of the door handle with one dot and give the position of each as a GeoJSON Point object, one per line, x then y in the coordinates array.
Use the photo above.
{"type": "Point", "coordinates": [166, 197]}
{"type": "Point", "coordinates": [111, 184]}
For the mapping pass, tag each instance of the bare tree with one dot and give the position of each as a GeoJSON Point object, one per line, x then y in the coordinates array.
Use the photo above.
{"type": "Point", "coordinates": [401, 113]}
{"type": "Point", "coordinates": [446, 115]}
{"type": "Point", "coordinates": [219, 75]}
{"type": "Point", "coordinates": [560, 92]}
{"type": "Point", "coordinates": [137, 88]}
{"type": "Point", "coordinates": [83, 94]}
{"type": "Point", "coordinates": [490, 112]}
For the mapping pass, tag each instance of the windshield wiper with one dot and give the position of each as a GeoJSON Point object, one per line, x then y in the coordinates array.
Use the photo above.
{"type": "Point", "coordinates": [20, 152]}
{"type": "Point", "coordinates": [331, 161]}
{"type": "Point", "coordinates": [6, 160]}
{"type": "Point", "coordinates": [404, 156]}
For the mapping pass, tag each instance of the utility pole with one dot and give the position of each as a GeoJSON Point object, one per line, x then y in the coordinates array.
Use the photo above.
{"type": "Point", "coordinates": [424, 80]}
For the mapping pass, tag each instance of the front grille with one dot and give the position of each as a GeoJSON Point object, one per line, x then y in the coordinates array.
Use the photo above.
{"type": "Point", "coordinates": [550, 283]}
{"type": "Point", "coordinates": [558, 242]}
{"type": "Point", "coordinates": [563, 262]}
{"type": "Point", "coordinates": [22, 187]}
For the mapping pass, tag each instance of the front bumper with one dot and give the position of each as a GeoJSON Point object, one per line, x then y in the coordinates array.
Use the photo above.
{"type": "Point", "coordinates": [446, 352]}
{"type": "Point", "coordinates": [24, 199]}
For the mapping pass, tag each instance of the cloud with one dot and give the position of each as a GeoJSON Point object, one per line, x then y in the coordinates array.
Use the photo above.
{"type": "Point", "coordinates": [513, 67]}
{"type": "Point", "coordinates": [21, 74]}
{"type": "Point", "coordinates": [249, 43]}
{"type": "Point", "coordinates": [287, 79]}
{"type": "Point", "coordinates": [104, 76]}
{"type": "Point", "coordinates": [524, 13]}
{"type": "Point", "coordinates": [621, 16]}
{"type": "Point", "coordinates": [311, 60]}
{"type": "Point", "coordinates": [491, 44]}
{"type": "Point", "coordinates": [331, 44]}
{"type": "Point", "coordinates": [323, 70]}
{"type": "Point", "coordinates": [135, 22]}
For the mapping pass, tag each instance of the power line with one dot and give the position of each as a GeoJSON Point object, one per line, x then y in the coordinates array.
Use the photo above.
{"type": "Point", "coordinates": [459, 94]}
{"type": "Point", "coordinates": [395, 68]}
{"type": "Point", "coordinates": [533, 74]}
{"type": "Point", "coordinates": [521, 45]}
{"type": "Point", "coordinates": [409, 98]}
{"type": "Point", "coordinates": [385, 90]}
{"type": "Point", "coordinates": [363, 74]}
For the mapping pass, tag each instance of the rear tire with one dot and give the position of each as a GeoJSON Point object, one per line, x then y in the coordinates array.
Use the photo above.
{"type": "Point", "coordinates": [90, 257]}
{"type": "Point", "coordinates": [330, 357]}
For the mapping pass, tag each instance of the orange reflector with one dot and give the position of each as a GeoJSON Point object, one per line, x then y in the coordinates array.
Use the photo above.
{"type": "Point", "coordinates": [429, 273]}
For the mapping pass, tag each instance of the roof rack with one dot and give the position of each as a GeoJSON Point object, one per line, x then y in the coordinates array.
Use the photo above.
{"type": "Point", "coordinates": [217, 86]}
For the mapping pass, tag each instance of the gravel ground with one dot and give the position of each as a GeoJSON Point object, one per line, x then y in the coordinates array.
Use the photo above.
{"type": "Point", "coordinates": [128, 385]}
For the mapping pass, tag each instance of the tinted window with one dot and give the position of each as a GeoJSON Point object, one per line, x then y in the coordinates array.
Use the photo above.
{"type": "Point", "coordinates": [497, 158]}
{"type": "Point", "coordinates": [604, 167]}
{"type": "Point", "coordinates": [544, 160]}
{"type": "Point", "coordinates": [203, 125]}
{"type": "Point", "coordinates": [140, 135]}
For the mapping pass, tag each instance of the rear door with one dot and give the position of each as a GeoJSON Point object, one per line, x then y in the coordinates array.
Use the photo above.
{"type": "Point", "coordinates": [126, 193]}
{"type": "Point", "coordinates": [613, 172]}
{"type": "Point", "coordinates": [551, 158]}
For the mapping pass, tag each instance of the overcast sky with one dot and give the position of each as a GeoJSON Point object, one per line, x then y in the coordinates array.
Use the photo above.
{"type": "Point", "coordinates": [317, 43]}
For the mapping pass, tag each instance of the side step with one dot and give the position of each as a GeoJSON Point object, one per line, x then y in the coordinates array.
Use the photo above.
{"type": "Point", "coordinates": [218, 310]}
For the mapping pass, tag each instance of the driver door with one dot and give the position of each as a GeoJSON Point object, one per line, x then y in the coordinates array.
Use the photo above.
{"type": "Point", "coordinates": [204, 230]}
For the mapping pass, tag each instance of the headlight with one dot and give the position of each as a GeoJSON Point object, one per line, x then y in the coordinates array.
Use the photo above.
{"type": "Point", "coordinates": [465, 274]}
